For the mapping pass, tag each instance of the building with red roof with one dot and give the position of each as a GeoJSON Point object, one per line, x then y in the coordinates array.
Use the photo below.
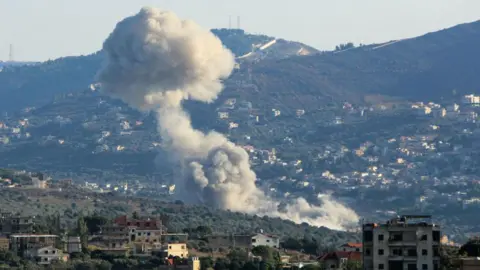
{"type": "Point", "coordinates": [338, 259]}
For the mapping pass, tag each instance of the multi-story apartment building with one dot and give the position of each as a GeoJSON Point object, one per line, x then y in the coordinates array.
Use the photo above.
{"type": "Point", "coordinates": [135, 235]}
{"type": "Point", "coordinates": [26, 244]}
{"type": "Point", "coordinates": [13, 224]}
{"type": "Point", "coordinates": [401, 244]}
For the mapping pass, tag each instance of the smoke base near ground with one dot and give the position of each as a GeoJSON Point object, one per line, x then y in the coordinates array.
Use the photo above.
{"type": "Point", "coordinates": [155, 61]}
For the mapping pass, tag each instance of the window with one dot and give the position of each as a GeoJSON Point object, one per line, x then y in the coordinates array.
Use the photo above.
{"type": "Point", "coordinates": [396, 237]}
{"type": "Point", "coordinates": [397, 252]}
{"type": "Point", "coordinates": [139, 234]}
{"type": "Point", "coordinates": [368, 236]}
{"type": "Point", "coordinates": [148, 233]}
{"type": "Point", "coordinates": [424, 252]}
{"type": "Point", "coordinates": [183, 247]}
{"type": "Point", "coordinates": [424, 266]}
{"type": "Point", "coordinates": [436, 236]}
{"type": "Point", "coordinates": [268, 241]}
{"type": "Point", "coordinates": [367, 252]}
{"type": "Point", "coordinates": [412, 253]}
{"type": "Point", "coordinates": [380, 237]}
{"type": "Point", "coordinates": [169, 247]}
{"type": "Point", "coordinates": [147, 224]}
{"type": "Point", "coordinates": [423, 237]}
{"type": "Point", "coordinates": [357, 249]}
{"type": "Point", "coordinates": [380, 252]}
{"type": "Point", "coordinates": [381, 266]}
{"type": "Point", "coordinates": [254, 240]}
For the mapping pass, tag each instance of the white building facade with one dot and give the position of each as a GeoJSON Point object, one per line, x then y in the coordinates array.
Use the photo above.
{"type": "Point", "coordinates": [265, 240]}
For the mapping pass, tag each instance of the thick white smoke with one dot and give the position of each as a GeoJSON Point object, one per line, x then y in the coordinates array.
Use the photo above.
{"type": "Point", "coordinates": [155, 61]}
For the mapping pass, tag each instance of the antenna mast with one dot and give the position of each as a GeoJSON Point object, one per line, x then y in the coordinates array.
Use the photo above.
{"type": "Point", "coordinates": [10, 54]}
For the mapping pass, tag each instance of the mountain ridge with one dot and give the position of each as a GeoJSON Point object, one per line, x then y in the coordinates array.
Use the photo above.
{"type": "Point", "coordinates": [412, 68]}
{"type": "Point", "coordinates": [415, 68]}
{"type": "Point", "coordinates": [33, 85]}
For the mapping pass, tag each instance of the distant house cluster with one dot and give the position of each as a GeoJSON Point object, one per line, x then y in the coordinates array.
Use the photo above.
{"type": "Point", "coordinates": [17, 236]}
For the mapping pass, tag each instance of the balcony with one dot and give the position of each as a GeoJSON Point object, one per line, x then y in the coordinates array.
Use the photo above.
{"type": "Point", "coordinates": [402, 258]}
{"type": "Point", "coordinates": [401, 243]}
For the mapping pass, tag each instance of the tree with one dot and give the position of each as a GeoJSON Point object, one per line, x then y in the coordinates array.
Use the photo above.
{"type": "Point", "coordinates": [94, 223]}
{"type": "Point", "coordinates": [237, 255]}
{"type": "Point", "coordinates": [270, 257]}
{"type": "Point", "coordinates": [202, 231]}
{"type": "Point", "coordinates": [82, 231]}
{"type": "Point", "coordinates": [292, 243]}
{"type": "Point", "coordinates": [135, 215]}
{"type": "Point", "coordinates": [449, 257]}
{"type": "Point", "coordinates": [206, 263]}
{"type": "Point", "coordinates": [353, 265]}
{"type": "Point", "coordinates": [220, 264]}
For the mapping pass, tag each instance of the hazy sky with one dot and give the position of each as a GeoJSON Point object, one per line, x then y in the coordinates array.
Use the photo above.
{"type": "Point", "coordinates": [47, 29]}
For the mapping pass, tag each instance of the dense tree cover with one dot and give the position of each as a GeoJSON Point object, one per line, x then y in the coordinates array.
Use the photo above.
{"type": "Point", "coordinates": [471, 248]}
{"type": "Point", "coordinates": [344, 46]}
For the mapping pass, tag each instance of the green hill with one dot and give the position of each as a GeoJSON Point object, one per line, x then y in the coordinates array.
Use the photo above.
{"type": "Point", "coordinates": [426, 67]}
{"type": "Point", "coordinates": [33, 85]}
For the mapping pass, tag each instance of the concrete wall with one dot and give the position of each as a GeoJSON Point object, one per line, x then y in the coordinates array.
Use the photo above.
{"type": "Point", "coordinates": [265, 240]}
{"type": "Point", "coordinates": [178, 250]}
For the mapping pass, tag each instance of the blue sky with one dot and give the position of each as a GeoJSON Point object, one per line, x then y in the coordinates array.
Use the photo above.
{"type": "Point", "coordinates": [47, 29]}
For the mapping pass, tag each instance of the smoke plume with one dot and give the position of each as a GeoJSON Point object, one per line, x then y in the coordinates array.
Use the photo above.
{"type": "Point", "coordinates": [155, 61]}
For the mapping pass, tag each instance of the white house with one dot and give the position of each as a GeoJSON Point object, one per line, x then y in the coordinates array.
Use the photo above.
{"type": "Point", "coordinates": [47, 255]}
{"type": "Point", "coordinates": [261, 239]}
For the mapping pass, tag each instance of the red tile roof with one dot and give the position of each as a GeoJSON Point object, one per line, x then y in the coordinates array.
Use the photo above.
{"type": "Point", "coordinates": [351, 244]}
{"type": "Point", "coordinates": [350, 255]}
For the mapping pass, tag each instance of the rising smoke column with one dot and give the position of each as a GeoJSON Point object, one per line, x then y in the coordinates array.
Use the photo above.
{"type": "Point", "coordinates": [154, 62]}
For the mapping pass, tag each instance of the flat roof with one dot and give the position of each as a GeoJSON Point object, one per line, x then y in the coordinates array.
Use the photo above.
{"type": "Point", "coordinates": [32, 235]}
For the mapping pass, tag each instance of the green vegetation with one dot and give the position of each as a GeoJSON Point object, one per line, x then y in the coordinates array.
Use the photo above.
{"type": "Point", "coordinates": [238, 41]}
{"type": "Point", "coordinates": [21, 179]}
